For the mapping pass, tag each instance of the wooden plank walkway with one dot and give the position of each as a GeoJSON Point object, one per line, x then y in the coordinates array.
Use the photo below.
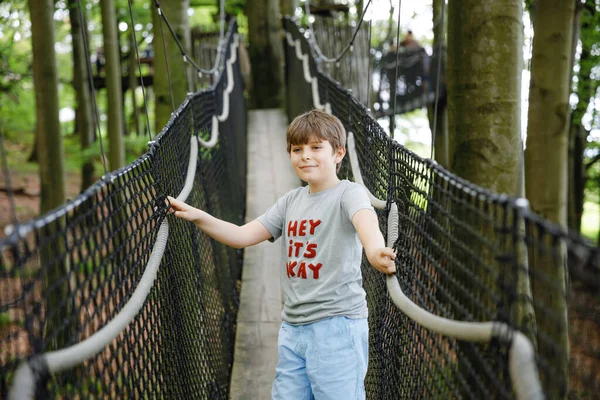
{"type": "Point", "coordinates": [270, 175]}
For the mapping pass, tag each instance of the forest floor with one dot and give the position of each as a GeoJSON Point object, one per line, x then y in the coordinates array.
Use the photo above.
{"type": "Point", "coordinates": [25, 184]}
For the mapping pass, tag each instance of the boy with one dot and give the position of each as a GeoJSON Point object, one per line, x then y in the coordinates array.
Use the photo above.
{"type": "Point", "coordinates": [323, 339]}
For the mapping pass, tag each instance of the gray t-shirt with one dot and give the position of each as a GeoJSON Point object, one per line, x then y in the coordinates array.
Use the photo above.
{"type": "Point", "coordinates": [321, 277]}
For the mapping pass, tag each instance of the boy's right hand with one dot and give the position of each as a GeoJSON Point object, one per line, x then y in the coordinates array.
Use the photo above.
{"type": "Point", "coordinates": [184, 211]}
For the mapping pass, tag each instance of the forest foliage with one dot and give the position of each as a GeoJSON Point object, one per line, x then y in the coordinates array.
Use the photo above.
{"type": "Point", "coordinates": [17, 97]}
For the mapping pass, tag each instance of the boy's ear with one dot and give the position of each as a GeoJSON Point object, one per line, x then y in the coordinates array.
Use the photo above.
{"type": "Point", "coordinates": [339, 154]}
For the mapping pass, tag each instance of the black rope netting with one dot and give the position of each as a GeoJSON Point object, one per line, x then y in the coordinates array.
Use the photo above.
{"type": "Point", "coordinates": [463, 253]}
{"type": "Point", "coordinates": [415, 78]}
{"type": "Point", "coordinates": [65, 275]}
{"type": "Point", "coordinates": [467, 254]}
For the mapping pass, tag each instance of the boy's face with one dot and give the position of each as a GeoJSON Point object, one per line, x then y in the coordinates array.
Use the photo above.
{"type": "Point", "coordinates": [315, 162]}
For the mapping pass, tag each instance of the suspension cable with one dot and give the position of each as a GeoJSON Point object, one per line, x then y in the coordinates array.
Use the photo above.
{"type": "Point", "coordinates": [162, 36]}
{"type": "Point", "coordinates": [395, 83]}
{"type": "Point", "coordinates": [437, 83]}
{"type": "Point", "coordinates": [320, 54]}
{"type": "Point", "coordinates": [369, 77]}
{"type": "Point", "coordinates": [91, 83]}
{"type": "Point", "coordinates": [9, 189]}
{"type": "Point", "coordinates": [186, 56]}
{"type": "Point", "coordinates": [137, 55]}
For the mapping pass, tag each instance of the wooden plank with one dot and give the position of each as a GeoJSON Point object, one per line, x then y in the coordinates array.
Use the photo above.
{"type": "Point", "coordinates": [270, 175]}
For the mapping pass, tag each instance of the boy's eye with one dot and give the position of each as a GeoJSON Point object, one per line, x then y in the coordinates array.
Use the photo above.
{"type": "Point", "coordinates": [317, 147]}
{"type": "Point", "coordinates": [295, 150]}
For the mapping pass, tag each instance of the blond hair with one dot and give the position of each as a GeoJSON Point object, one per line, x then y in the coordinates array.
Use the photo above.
{"type": "Point", "coordinates": [316, 124]}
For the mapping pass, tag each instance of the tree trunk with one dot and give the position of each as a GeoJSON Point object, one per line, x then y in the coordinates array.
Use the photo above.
{"type": "Point", "coordinates": [360, 6]}
{"type": "Point", "coordinates": [484, 97]}
{"type": "Point", "coordinates": [546, 156]}
{"type": "Point", "coordinates": [288, 7]}
{"type": "Point", "coordinates": [266, 52]}
{"type": "Point", "coordinates": [81, 83]}
{"type": "Point", "coordinates": [49, 147]}
{"type": "Point", "coordinates": [484, 69]}
{"type": "Point", "coordinates": [51, 165]}
{"type": "Point", "coordinates": [577, 174]}
{"type": "Point", "coordinates": [114, 96]}
{"type": "Point", "coordinates": [178, 76]}
{"type": "Point", "coordinates": [577, 139]}
{"type": "Point", "coordinates": [132, 68]}
{"type": "Point", "coordinates": [441, 126]}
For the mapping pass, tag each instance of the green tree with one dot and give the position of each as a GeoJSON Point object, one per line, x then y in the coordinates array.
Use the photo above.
{"type": "Point", "coordinates": [484, 123]}
{"type": "Point", "coordinates": [546, 156]}
{"type": "Point", "coordinates": [288, 7]}
{"type": "Point", "coordinates": [51, 161]}
{"type": "Point", "coordinates": [49, 140]}
{"type": "Point", "coordinates": [441, 125]}
{"type": "Point", "coordinates": [132, 74]}
{"type": "Point", "coordinates": [114, 95]}
{"type": "Point", "coordinates": [484, 91]}
{"type": "Point", "coordinates": [266, 52]}
{"type": "Point", "coordinates": [84, 120]}
{"type": "Point", "coordinates": [586, 91]}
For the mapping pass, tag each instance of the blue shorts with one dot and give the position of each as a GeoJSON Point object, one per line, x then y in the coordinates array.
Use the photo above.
{"type": "Point", "coordinates": [326, 359]}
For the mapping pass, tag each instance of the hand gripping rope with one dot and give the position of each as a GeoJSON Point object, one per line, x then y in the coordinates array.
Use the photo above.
{"type": "Point", "coordinates": [522, 363]}
{"type": "Point", "coordinates": [31, 371]}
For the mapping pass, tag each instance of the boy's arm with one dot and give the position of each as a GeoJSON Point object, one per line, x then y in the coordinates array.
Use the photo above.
{"type": "Point", "coordinates": [225, 232]}
{"type": "Point", "coordinates": [380, 257]}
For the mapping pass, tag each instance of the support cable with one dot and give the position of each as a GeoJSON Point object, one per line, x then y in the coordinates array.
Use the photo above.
{"type": "Point", "coordinates": [395, 83]}
{"type": "Point", "coordinates": [437, 83]}
{"type": "Point", "coordinates": [137, 54]}
{"type": "Point", "coordinates": [186, 56]}
{"type": "Point", "coordinates": [164, 44]}
{"type": "Point", "coordinates": [91, 83]}
{"type": "Point", "coordinates": [320, 54]}
{"type": "Point", "coordinates": [369, 77]}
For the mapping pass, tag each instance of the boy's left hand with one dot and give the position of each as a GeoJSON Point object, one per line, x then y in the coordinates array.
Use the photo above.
{"type": "Point", "coordinates": [383, 260]}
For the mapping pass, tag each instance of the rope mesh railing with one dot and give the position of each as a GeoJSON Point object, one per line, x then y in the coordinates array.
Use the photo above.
{"type": "Point", "coordinates": [465, 254]}
{"type": "Point", "coordinates": [66, 275]}
{"type": "Point", "coordinates": [415, 77]}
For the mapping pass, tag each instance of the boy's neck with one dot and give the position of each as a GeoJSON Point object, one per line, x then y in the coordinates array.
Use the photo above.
{"type": "Point", "coordinates": [317, 187]}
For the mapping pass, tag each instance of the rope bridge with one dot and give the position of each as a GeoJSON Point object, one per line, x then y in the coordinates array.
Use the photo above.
{"type": "Point", "coordinates": [70, 277]}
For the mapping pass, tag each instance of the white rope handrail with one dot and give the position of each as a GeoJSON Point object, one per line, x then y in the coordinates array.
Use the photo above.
{"type": "Point", "coordinates": [289, 38]}
{"type": "Point", "coordinates": [230, 82]}
{"type": "Point", "coordinates": [214, 131]}
{"type": "Point", "coordinates": [214, 134]}
{"type": "Point", "coordinates": [522, 364]}
{"type": "Point", "coordinates": [314, 83]}
{"type": "Point", "coordinates": [375, 202]}
{"type": "Point", "coordinates": [24, 383]}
